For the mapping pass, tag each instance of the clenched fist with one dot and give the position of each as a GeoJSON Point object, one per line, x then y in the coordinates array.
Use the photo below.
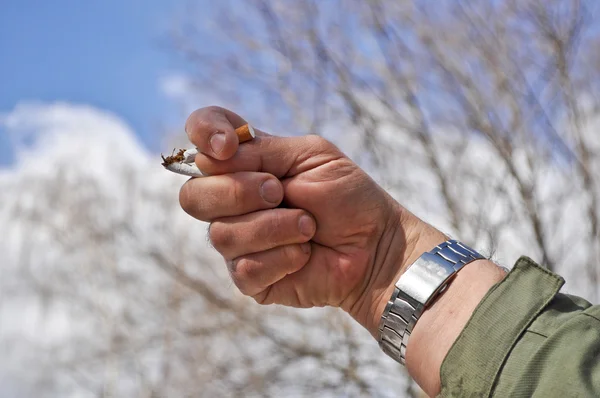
{"type": "Point", "coordinates": [298, 222]}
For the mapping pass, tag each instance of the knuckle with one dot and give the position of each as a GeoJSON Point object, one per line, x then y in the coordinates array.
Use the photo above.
{"type": "Point", "coordinates": [316, 141]}
{"type": "Point", "coordinates": [201, 120]}
{"type": "Point", "coordinates": [263, 298]}
{"type": "Point", "coordinates": [319, 145]}
{"type": "Point", "coordinates": [191, 121]}
{"type": "Point", "coordinates": [275, 220]}
{"type": "Point", "coordinates": [236, 193]}
{"type": "Point", "coordinates": [220, 237]}
{"type": "Point", "coordinates": [200, 126]}
{"type": "Point", "coordinates": [245, 275]}
{"type": "Point", "coordinates": [292, 252]}
{"type": "Point", "coordinates": [296, 257]}
{"type": "Point", "coordinates": [246, 270]}
{"type": "Point", "coordinates": [273, 230]}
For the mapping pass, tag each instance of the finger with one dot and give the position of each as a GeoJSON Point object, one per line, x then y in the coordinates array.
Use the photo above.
{"type": "Point", "coordinates": [212, 130]}
{"type": "Point", "coordinates": [280, 156]}
{"type": "Point", "coordinates": [254, 273]}
{"type": "Point", "coordinates": [228, 195]}
{"type": "Point", "coordinates": [260, 231]}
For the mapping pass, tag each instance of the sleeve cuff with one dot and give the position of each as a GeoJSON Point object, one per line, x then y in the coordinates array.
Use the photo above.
{"type": "Point", "coordinates": [476, 357]}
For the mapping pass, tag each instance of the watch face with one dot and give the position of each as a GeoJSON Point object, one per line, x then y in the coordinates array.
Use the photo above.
{"type": "Point", "coordinates": [418, 287]}
{"type": "Point", "coordinates": [425, 277]}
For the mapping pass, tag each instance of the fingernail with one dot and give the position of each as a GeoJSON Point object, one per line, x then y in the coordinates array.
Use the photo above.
{"type": "Point", "coordinates": [270, 191]}
{"type": "Point", "coordinates": [305, 247]}
{"type": "Point", "coordinates": [217, 142]}
{"type": "Point", "coordinates": [306, 225]}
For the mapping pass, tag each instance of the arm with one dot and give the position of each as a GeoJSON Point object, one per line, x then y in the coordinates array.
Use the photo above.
{"type": "Point", "coordinates": [340, 240]}
{"type": "Point", "coordinates": [526, 340]}
{"type": "Point", "coordinates": [443, 321]}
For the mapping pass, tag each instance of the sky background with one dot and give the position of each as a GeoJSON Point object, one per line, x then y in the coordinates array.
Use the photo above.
{"type": "Point", "coordinates": [110, 54]}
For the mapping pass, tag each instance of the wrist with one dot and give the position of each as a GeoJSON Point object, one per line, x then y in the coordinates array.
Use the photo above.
{"type": "Point", "coordinates": [404, 239]}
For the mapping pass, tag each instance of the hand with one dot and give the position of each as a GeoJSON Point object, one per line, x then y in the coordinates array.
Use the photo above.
{"type": "Point", "coordinates": [297, 221]}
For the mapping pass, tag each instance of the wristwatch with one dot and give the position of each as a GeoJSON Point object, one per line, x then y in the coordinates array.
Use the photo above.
{"type": "Point", "coordinates": [416, 288]}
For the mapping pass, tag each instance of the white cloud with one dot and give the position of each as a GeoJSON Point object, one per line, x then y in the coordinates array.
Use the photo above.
{"type": "Point", "coordinates": [81, 133]}
{"type": "Point", "coordinates": [79, 171]}
{"type": "Point", "coordinates": [189, 94]}
{"type": "Point", "coordinates": [182, 90]}
{"type": "Point", "coordinates": [175, 86]}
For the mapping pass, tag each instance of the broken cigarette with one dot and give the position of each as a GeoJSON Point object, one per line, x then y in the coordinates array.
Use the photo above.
{"type": "Point", "coordinates": [183, 162]}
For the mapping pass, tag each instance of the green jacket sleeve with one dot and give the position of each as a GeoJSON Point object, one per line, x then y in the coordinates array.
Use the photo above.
{"type": "Point", "coordinates": [525, 339]}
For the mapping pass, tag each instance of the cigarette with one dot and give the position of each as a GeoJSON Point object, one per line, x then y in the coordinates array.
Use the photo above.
{"type": "Point", "coordinates": [183, 162]}
{"type": "Point", "coordinates": [245, 133]}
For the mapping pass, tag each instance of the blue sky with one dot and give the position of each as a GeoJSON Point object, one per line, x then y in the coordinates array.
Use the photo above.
{"type": "Point", "coordinates": [106, 53]}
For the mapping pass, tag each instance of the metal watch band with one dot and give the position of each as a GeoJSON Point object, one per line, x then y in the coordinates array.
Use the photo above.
{"type": "Point", "coordinates": [416, 288]}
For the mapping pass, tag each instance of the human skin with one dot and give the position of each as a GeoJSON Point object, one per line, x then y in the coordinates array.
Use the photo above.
{"type": "Point", "coordinates": [300, 224]}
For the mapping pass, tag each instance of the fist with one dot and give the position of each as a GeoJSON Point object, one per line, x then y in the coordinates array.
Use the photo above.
{"type": "Point", "coordinates": [297, 222]}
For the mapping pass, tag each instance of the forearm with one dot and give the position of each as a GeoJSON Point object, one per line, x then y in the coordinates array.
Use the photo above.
{"type": "Point", "coordinates": [442, 322]}
{"type": "Point", "coordinates": [487, 333]}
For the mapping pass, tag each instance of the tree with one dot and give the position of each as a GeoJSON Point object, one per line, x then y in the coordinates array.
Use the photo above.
{"type": "Point", "coordinates": [412, 87]}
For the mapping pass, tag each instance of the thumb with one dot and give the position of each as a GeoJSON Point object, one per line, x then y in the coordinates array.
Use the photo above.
{"type": "Point", "coordinates": [212, 130]}
{"type": "Point", "coordinates": [280, 156]}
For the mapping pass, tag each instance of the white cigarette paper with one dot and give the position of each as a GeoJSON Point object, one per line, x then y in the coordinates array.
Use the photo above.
{"type": "Point", "coordinates": [184, 161]}
{"type": "Point", "coordinates": [186, 168]}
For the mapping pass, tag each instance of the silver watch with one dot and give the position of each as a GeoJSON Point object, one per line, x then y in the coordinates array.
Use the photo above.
{"type": "Point", "coordinates": [425, 279]}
